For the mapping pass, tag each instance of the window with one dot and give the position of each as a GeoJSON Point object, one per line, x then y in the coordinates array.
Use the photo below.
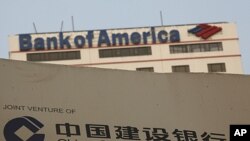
{"type": "Point", "coordinates": [178, 49]}
{"type": "Point", "coordinates": [189, 48]}
{"type": "Point", "coordinates": [122, 52]}
{"type": "Point", "coordinates": [183, 68]}
{"type": "Point", "coordinates": [215, 47]}
{"type": "Point", "coordinates": [54, 56]}
{"type": "Point", "coordinates": [149, 69]}
{"type": "Point", "coordinates": [195, 48]}
{"type": "Point", "coordinates": [218, 67]}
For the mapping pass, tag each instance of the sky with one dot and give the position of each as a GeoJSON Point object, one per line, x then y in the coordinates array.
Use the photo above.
{"type": "Point", "coordinates": [17, 16]}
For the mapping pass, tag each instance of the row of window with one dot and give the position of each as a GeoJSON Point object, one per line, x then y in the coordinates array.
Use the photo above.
{"type": "Point", "coordinates": [217, 67]}
{"type": "Point", "coordinates": [103, 53]}
{"type": "Point", "coordinates": [123, 52]}
{"type": "Point", "coordinates": [190, 48]}
{"type": "Point", "coordinates": [54, 56]}
{"type": "Point", "coordinates": [187, 48]}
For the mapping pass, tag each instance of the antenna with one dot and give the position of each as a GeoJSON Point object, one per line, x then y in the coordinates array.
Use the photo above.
{"type": "Point", "coordinates": [61, 26]}
{"type": "Point", "coordinates": [72, 20]}
{"type": "Point", "coordinates": [34, 27]}
{"type": "Point", "coordinates": [161, 18]}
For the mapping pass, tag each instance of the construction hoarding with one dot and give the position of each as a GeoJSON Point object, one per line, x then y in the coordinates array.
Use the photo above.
{"type": "Point", "coordinates": [41, 102]}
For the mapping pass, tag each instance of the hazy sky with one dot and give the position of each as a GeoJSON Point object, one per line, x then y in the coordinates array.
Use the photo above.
{"type": "Point", "coordinates": [17, 16]}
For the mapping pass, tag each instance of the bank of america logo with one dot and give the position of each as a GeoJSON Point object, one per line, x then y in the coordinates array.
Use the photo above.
{"type": "Point", "coordinates": [204, 30]}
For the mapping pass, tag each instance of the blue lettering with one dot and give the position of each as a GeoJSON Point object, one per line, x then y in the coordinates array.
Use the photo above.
{"type": "Point", "coordinates": [103, 38]}
{"type": "Point", "coordinates": [25, 42]}
{"type": "Point", "coordinates": [120, 38]}
{"type": "Point", "coordinates": [79, 41]}
{"type": "Point", "coordinates": [90, 37]}
{"type": "Point", "coordinates": [64, 41]}
{"type": "Point", "coordinates": [52, 41]}
{"type": "Point", "coordinates": [153, 35]}
{"type": "Point", "coordinates": [136, 38]}
{"type": "Point", "coordinates": [145, 37]}
{"type": "Point", "coordinates": [163, 36]}
{"type": "Point", "coordinates": [174, 36]}
{"type": "Point", "coordinates": [39, 44]}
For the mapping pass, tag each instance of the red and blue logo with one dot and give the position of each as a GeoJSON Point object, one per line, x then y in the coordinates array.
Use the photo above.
{"type": "Point", "coordinates": [204, 30]}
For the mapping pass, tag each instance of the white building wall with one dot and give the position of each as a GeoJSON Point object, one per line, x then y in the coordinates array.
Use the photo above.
{"type": "Point", "coordinates": [161, 59]}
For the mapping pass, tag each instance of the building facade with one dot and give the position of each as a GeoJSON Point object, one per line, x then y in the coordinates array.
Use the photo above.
{"type": "Point", "coordinates": [212, 47]}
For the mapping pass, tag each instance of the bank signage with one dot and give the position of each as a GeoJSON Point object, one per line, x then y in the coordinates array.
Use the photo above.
{"type": "Point", "coordinates": [99, 132]}
{"type": "Point", "coordinates": [204, 30]}
{"type": "Point", "coordinates": [27, 128]}
{"type": "Point", "coordinates": [27, 42]}
{"type": "Point", "coordinates": [30, 123]}
{"type": "Point", "coordinates": [35, 128]}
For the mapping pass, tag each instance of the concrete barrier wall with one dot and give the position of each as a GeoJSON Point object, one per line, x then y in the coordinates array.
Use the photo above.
{"type": "Point", "coordinates": [62, 103]}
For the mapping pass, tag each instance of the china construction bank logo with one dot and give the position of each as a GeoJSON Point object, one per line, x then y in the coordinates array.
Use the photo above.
{"type": "Point", "coordinates": [23, 129]}
{"type": "Point", "coordinates": [205, 31]}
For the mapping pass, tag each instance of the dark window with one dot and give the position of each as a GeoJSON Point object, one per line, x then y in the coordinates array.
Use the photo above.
{"type": "Point", "coordinates": [195, 48]}
{"type": "Point", "coordinates": [125, 52]}
{"type": "Point", "coordinates": [215, 47]}
{"type": "Point", "coordinates": [122, 52]}
{"type": "Point", "coordinates": [183, 68]}
{"type": "Point", "coordinates": [106, 53]}
{"type": "Point", "coordinates": [218, 67]}
{"type": "Point", "coordinates": [188, 48]}
{"type": "Point", "coordinates": [54, 56]}
{"type": "Point", "coordinates": [149, 69]}
{"type": "Point", "coordinates": [178, 49]}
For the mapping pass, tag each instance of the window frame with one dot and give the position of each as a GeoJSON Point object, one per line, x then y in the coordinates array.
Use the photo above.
{"type": "Point", "coordinates": [195, 48]}
{"type": "Point", "coordinates": [178, 68]}
{"type": "Point", "coordinates": [125, 52]}
{"type": "Point", "coordinates": [213, 67]}
{"type": "Point", "coordinates": [53, 56]}
{"type": "Point", "coordinates": [146, 69]}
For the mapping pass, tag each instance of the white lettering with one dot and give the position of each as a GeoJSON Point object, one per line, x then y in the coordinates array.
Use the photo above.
{"type": "Point", "coordinates": [239, 132]}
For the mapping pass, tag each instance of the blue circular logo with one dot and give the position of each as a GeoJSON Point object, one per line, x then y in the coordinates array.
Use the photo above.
{"type": "Point", "coordinates": [26, 123]}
